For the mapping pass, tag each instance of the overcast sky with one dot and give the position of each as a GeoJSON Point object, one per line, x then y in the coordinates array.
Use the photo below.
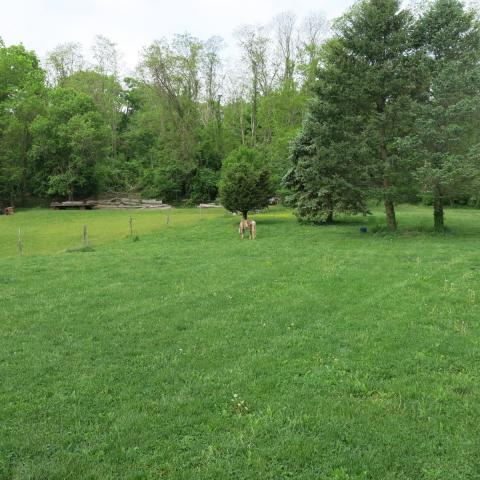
{"type": "Point", "coordinates": [42, 24]}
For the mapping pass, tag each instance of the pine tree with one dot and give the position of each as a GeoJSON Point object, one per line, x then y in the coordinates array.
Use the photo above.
{"type": "Point", "coordinates": [325, 178]}
{"type": "Point", "coordinates": [245, 182]}
{"type": "Point", "coordinates": [446, 139]}
{"type": "Point", "coordinates": [361, 111]}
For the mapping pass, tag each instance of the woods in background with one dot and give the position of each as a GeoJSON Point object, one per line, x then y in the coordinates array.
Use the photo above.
{"type": "Point", "coordinates": [384, 106]}
{"type": "Point", "coordinates": [74, 129]}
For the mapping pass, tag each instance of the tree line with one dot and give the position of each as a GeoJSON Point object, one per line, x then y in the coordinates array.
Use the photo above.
{"type": "Point", "coordinates": [395, 114]}
{"type": "Point", "coordinates": [382, 105]}
{"type": "Point", "coordinates": [72, 128]}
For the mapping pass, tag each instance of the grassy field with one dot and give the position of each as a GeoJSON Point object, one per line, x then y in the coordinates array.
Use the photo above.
{"type": "Point", "coordinates": [311, 353]}
{"type": "Point", "coordinates": [46, 232]}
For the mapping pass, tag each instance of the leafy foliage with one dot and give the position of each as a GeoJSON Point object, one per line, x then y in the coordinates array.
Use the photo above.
{"type": "Point", "coordinates": [395, 112]}
{"type": "Point", "coordinates": [446, 138]}
{"type": "Point", "coordinates": [383, 107]}
{"type": "Point", "coordinates": [69, 141]}
{"type": "Point", "coordinates": [21, 95]}
{"type": "Point", "coordinates": [245, 183]}
{"type": "Point", "coordinates": [358, 116]}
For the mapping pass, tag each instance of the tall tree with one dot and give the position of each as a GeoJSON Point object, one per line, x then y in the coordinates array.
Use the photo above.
{"type": "Point", "coordinates": [366, 78]}
{"type": "Point", "coordinates": [171, 70]}
{"type": "Point", "coordinates": [287, 38]}
{"type": "Point", "coordinates": [375, 59]}
{"type": "Point", "coordinates": [447, 135]}
{"type": "Point", "coordinates": [211, 64]}
{"type": "Point", "coordinates": [21, 99]}
{"type": "Point", "coordinates": [107, 94]}
{"type": "Point", "coordinates": [327, 165]}
{"type": "Point", "coordinates": [255, 45]}
{"type": "Point", "coordinates": [69, 141]}
{"type": "Point", "coordinates": [63, 61]}
{"type": "Point", "coordinates": [107, 85]}
{"type": "Point", "coordinates": [106, 56]}
{"type": "Point", "coordinates": [313, 33]}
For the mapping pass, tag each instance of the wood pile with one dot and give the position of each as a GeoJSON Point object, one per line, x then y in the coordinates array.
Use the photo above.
{"type": "Point", "coordinates": [79, 205]}
{"type": "Point", "coordinates": [131, 203]}
{"type": "Point", "coordinates": [210, 205]}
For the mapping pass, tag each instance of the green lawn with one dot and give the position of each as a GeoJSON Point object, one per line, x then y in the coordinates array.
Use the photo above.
{"type": "Point", "coordinates": [311, 353]}
{"type": "Point", "coordinates": [46, 231]}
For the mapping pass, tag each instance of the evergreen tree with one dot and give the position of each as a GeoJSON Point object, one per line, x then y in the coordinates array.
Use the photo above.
{"type": "Point", "coordinates": [360, 113]}
{"type": "Point", "coordinates": [326, 172]}
{"type": "Point", "coordinates": [245, 182]}
{"type": "Point", "coordinates": [446, 139]}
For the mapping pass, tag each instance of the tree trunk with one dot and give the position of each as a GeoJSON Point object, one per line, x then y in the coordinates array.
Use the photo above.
{"type": "Point", "coordinates": [389, 205]}
{"type": "Point", "coordinates": [438, 214]}
{"type": "Point", "coordinates": [391, 217]}
{"type": "Point", "coordinates": [389, 208]}
{"type": "Point", "coordinates": [254, 103]}
{"type": "Point", "coordinates": [114, 140]}
{"type": "Point", "coordinates": [245, 215]}
{"type": "Point", "coordinates": [329, 219]}
{"type": "Point", "coordinates": [242, 128]}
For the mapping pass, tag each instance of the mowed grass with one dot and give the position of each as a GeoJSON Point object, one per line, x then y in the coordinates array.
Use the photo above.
{"type": "Point", "coordinates": [311, 353]}
{"type": "Point", "coordinates": [46, 231]}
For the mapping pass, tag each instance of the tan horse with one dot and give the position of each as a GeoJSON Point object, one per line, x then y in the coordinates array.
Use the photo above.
{"type": "Point", "coordinates": [249, 225]}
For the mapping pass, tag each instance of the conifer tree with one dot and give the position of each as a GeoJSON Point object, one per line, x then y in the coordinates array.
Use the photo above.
{"type": "Point", "coordinates": [361, 111]}
{"type": "Point", "coordinates": [446, 139]}
{"type": "Point", "coordinates": [245, 182]}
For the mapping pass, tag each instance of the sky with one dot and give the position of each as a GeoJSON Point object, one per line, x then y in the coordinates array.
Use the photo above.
{"type": "Point", "coordinates": [133, 24]}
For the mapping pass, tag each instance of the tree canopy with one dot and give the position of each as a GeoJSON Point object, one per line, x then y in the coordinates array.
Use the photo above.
{"type": "Point", "coordinates": [245, 184]}
{"type": "Point", "coordinates": [382, 105]}
{"type": "Point", "coordinates": [394, 114]}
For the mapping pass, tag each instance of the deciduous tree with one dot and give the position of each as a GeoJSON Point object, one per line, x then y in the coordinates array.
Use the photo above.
{"type": "Point", "coordinates": [69, 141]}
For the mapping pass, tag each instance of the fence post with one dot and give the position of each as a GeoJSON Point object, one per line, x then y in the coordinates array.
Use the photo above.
{"type": "Point", "coordinates": [85, 236]}
{"type": "Point", "coordinates": [20, 242]}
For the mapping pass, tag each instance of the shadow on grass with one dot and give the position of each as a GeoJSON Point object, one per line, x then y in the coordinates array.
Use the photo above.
{"type": "Point", "coordinates": [80, 250]}
{"type": "Point", "coordinates": [274, 220]}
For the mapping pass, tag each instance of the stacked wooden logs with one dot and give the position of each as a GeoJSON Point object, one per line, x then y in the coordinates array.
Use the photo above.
{"type": "Point", "coordinates": [131, 203]}
{"type": "Point", "coordinates": [209, 205]}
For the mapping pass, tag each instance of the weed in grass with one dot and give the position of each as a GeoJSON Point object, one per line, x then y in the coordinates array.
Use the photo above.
{"type": "Point", "coordinates": [472, 297]}
{"type": "Point", "coordinates": [239, 406]}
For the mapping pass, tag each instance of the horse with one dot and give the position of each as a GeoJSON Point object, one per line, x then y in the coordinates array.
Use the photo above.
{"type": "Point", "coordinates": [249, 225]}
